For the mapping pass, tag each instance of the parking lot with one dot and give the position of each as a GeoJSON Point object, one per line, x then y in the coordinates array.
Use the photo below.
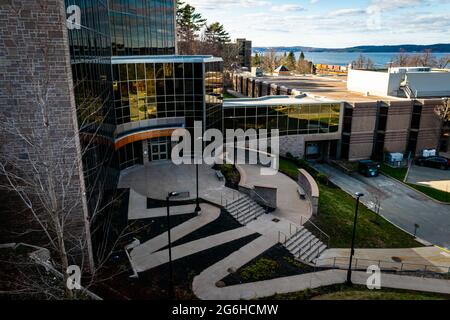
{"type": "Point", "coordinates": [429, 177]}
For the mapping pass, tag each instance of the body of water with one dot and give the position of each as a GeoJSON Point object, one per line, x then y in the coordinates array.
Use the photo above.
{"type": "Point", "coordinates": [380, 59]}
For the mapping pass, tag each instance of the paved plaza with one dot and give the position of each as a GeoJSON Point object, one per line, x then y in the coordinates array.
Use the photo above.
{"type": "Point", "coordinates": [284, 220]}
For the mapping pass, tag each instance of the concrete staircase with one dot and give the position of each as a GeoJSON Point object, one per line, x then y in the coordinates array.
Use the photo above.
{"type": "Point", "coordinates": [305, 246]}
{"type": "Point", "coordinates": [245, 210]}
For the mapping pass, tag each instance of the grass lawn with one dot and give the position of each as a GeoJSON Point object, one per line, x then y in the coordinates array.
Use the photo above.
{"type": "Point", "coordinates": [433, 193]}
{"type": "Point", "coordinates": [400, 175]}
{"type": "Point", "coordinates": [342, 292]}
{"type": "Point", "coordinates": [226, 95]}
{"type": "Point", "coordinates": [336, 214]}
{"type": "Point", "coordinates": [396, 173]}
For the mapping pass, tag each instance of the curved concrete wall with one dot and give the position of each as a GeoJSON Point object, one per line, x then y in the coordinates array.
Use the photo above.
{"type": "Point", "coordinates": [310, 186]}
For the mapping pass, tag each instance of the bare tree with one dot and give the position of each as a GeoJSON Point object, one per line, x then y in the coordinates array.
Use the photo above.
{"type": "Point", "coordinates": [401, 60]}
{"type": "Point", "coordinates": [270, 60]}
{"type": "Point", "coordinates": [425, 59]}
{"type": "Point", "coordinates": [304, 66]}
{"type": "Point", "coordinates": [362, 63]}
{"type": "Point", "coordinates": [443, 62]}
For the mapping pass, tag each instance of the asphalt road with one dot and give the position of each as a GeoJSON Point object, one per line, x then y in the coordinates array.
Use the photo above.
{"type": "Point", "coordinates": [398, 203]}
{"type": "Point", "coordinates": [430, 177]}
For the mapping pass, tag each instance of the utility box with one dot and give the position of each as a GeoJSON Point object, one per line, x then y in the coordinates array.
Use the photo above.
{"type": "Point", "coordinates": [394, 159]}
{"type": "Point", "coordinates": [429, 153]}
{"type": "Point", "coordinates": [257, 72]}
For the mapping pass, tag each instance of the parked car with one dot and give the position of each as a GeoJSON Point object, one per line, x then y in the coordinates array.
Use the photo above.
{"type": "Point", "coordinates": [369, 168]}
{"type": "Point", "coordinates": [434, 162]}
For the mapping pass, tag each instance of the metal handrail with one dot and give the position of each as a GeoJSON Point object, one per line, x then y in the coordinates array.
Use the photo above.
{"type": "Point", "coordinates": [297, 229]}
{"type": "Point", "coordinates": [379, 263]}
{"type": "Point", "coordinates": [264, 200]}
{"type": "Point", "coordinates": [285, 237]}
{"type": "Point", "coordinates": [320, 230]}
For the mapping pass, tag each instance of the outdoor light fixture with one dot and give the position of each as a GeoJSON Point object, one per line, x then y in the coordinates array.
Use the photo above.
{"type": "Point", "coordinates": [358, 195]}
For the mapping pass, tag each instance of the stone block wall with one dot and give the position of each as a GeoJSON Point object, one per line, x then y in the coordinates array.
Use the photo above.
{"type": "Point", "coordinates": [35, 70]}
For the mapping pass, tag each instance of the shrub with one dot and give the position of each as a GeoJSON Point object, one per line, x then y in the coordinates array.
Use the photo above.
{"type": "Point", "coordinates": [322, 178]}
{"type": "Point", "coordinates": [262, 269]}
{"type": "Point", "coordinates": [303, 164]}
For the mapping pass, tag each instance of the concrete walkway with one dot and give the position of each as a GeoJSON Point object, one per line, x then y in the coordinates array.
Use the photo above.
{"type": "Point", "coordinates": [152, 260]}
{"type": "Point", "coordinates": [436, 260]}
{"type": "Point", "coordinates": [137, 208]}
{"type": "Point", "coordinates": [209, 214]}
{"type": "Point", "coordinates": [156, 180]}
{"type": "Point", "coordinates": [204, 285]}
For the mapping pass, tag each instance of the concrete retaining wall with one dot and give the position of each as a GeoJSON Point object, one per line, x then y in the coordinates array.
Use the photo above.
{"type": "Point", "coordinates": [309, 185]}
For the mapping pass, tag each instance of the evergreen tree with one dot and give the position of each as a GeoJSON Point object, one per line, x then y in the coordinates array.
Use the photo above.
{"type": "Point", "coordinates": [215, 33]}
{"type": "Point", "coordinates": [302, 56]}
{"type": "Point", "coordinates": [189, 22]}
{"type": "Point", "coordinates": [256, 60]}
{"type": "Point", "coordinates": [290, 61]}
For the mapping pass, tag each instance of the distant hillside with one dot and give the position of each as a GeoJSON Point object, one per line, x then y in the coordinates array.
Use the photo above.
{"type": "Point", "coordinates": [440, 47]}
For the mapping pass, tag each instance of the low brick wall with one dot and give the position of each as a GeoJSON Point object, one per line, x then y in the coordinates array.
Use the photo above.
{"type": "Point", "coordinates": [309, 185]}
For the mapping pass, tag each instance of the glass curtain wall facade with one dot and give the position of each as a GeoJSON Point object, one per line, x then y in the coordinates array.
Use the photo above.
{"type": "Point", "coordinates": [142, 27]}
{"type": "Point", "coordinates": [158, 90]}
{"type": "Point", "coordinates": [303, 119]}
{"type": "Point", "coordinates": [172, 87]}
{"type": "Point", "coordinates": [123, 62]}
{"type": "Point", "coordinates": [214, 95]}
{"type": "Point", "coordinates": [90, 51]}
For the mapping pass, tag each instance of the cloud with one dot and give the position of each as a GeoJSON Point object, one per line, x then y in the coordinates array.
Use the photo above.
{"type": "Point", "coordinates": [277, 22]}
{"type": "Point", "coordinates": [347, 12]}
{"type": "Point", "coordinates": [287, 8]}
{"type": "Point", "coordinates": [385, 5]}
{"type": "Point", "coordinates": [217, 4]}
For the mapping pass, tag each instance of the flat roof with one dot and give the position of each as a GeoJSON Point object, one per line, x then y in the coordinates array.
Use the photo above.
{"type": "Point", "coordinates": [275, 101]}
{"type": "Point", "coordinates": [330, 87]}
{"type": "Point", "coordinates": [164, 59]}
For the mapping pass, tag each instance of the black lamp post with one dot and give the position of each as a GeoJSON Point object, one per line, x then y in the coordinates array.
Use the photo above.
{"type": "Point", "coordinates": [352, 252]}
{"type": "Point", "coordinates": [235, 139]}
{"type": "Point", "coordinates": [198, 209]}
{"type": "Point", "coordinates": [169, 196]}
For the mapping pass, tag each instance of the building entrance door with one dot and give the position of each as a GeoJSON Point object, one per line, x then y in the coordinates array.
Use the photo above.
{"type": "Point", "coordinates": [159, 149]}
{"type": "Point", "coordinates": [312, 151]}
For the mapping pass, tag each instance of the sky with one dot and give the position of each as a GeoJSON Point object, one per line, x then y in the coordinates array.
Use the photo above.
{"type": "Point", "coordinates": [331, 23]}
